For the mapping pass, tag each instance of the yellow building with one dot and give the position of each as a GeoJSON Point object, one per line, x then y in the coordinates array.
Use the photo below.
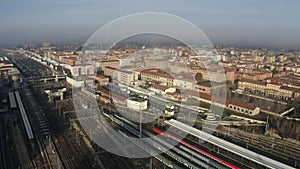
{"type": "Point", "coordinates": [109, 63]}
{"type": "Point", "coordinates": [156, 75]}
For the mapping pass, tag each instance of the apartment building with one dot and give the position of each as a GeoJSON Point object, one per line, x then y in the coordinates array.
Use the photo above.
{"type": "Point", "coordinates": [156, 75]}
{"type": "Point", "coordinates": [122, 76]}
{"type": "Point", "coordinates": [271, 89]}
{"type": "Point", "coordinates": [109, 63]}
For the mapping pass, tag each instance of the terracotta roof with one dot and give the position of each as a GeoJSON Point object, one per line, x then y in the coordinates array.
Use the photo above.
{"type": "Point", "coordinates": [124, 71]}
{"type": "Point", "coordinates": [118, 98]}
{"type": "Point", "coordinates": [219, 100]}
{"type": "Point", "coordinates": [120, 70]}
{"type": "Point", "coordinates": [83, 64]}
{"type": "Point", "coordinates": [108, 67]}
{"type": "Point", "coordinates": [104, 91]}
{"type": "Point", "coordinates": [157, 74]}
{"type": "Point", "coordinates": [100, 76]}
{"type": "Point", "coordinates": [288, 88]}
{"type": "Point", "coordinates": [253, 81]}
{"type": "Point", "coordinates": [275, 83]}
{"type": "Point", "coordinates": [110, 61]}
{"type": "Point", "coordinates": [177, 95]}
{"type": "Point", "coordinates": [155, 82]}
{"type": "Point", "coordinates": [186, 79]}
{"type": "Point", "coordinates": [243, 105]}
{"type": "Point", "coordinates": [207, 96]}
{"type": "Point", "coordinates": [198, 94]}
{"type": "Point", "coordinates": [114, 96]}
{"type": "Point", "coordinates": [160, 87]}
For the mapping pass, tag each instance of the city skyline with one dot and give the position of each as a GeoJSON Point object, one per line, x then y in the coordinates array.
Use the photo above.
{"type": "Point", "coordinates": [268, 24]}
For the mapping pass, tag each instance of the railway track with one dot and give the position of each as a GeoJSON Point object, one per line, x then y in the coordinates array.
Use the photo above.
{"type": "Point", "coordinates": [75, 151]}
{"type": "Point", "coordinates": [72, 154]}
{"type": "Point", "coordinates": [280, 148]}
{"type": "Point", "coordinates": [42, 159]}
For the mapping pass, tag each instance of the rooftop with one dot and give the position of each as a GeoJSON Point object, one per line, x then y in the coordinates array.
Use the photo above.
{"type": "Point", "coordinates": [208, 83]}
{"type": "Point", "coordinates": [243, 105]}
{"type": "Point", "coordinates": [253, 81]}
{"type": "Point", "coordinates": [149, 72]}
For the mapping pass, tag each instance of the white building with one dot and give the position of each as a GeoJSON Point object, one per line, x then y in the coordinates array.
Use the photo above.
{"type": "Point", "coordinates": [243, 108]}
{"type": "Point", "coordinates": [137, 104]}
{"type": "Point", "coordinates": [184, 83]}
{"type": "Point", "coordinates": [170, 110]}
{"type": "Point", "coordinates": [82, 69]}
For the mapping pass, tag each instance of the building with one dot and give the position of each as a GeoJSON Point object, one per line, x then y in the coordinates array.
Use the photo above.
{"type": "Point", "coordinates": [270, 59]}
{"type": "Point", "coordinates": [157, 75]}
{"type": "Point", "coordinates": [185, 83]}
{"type": "Point", "coordinates": [177, 96]}
{"type": "Point", "coordinates": [230, 74]}
{"type": "Point", "coordinates": [161, 89]}
{"type": "Point", "coordinates": [5, 67]}
{"type": "Point", "coordinates": [125, 76]}
{"type": "Point", "coordinates": [286, 92]}
{"type": "Point", "coordinates": [249, 73]}
{"type": "Point", "coordinates": [55, 92]}
{"type": "Point", "coordinates": [243, 108]}
{"type": "Point", "coordinates": [157, 63]}
{"type": "Point", "coordinates": [170, 110]}
{"type": "Point", "coordinates": [109, 63]}
{"type": "Point", "coordinates": [210, 86]}
{"type": "Point", "coordinates": [121, 75]}
{"type": "Point", "coordinates": [225, 103]}
{"type": "Point", "coordinates": [101, 80]}
{"type": "Point", "coordinates": [177, 67]}
{"type": "Point", "coordinates": [109, 71]}
{"type": "Point", "coordinates": [206, 98]}
{"type": "Point", "coordinates": [70, 60]}
{"type": "Point", "coordinates": [217, 74]}
{"type": "Point", "coordinates": [109, 97]}
{"type": "Point", "coordinates": [138, 104]}
{"type": "Point", "coordinates": [269, 89]}
{"type": "Point", "coordinates": [13, 74]}
{"type": "Point", "coordinates": [82, 69]}
{"type": "Point", "coordinates": [252, 86]}
{"type": "Point", "coordinates": [83, 81]}
{"type": "Point", "coordinates": [7, 70]}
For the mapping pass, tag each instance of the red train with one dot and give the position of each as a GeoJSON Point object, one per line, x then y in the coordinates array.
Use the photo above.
{"type": "Point", "coordinates": [156, 130]}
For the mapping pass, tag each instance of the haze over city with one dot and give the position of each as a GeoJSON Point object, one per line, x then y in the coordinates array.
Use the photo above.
{"type": "Point", "coordinates": [270, 24]}
{"type": "Point", "coordinates": [133, 84]}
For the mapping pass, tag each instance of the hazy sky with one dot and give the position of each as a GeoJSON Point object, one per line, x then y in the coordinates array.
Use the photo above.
{"type": "Point", "coordinates": [261, 23]}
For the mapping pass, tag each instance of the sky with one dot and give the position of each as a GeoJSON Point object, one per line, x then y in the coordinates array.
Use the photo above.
{"type": "Point", "coordinates": [243, 23]}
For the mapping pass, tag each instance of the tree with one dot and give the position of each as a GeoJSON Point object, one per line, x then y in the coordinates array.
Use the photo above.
{"type": "Point", "coordinates": [296, 105]}
{"type": "Point", "coordinates": [198, 77]}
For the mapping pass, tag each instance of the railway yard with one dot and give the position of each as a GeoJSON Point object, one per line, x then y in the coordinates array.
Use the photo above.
{"type": "Point", "coordinates": [54, 138]}
{"type": "Point", "coordinates": [53, 144]}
